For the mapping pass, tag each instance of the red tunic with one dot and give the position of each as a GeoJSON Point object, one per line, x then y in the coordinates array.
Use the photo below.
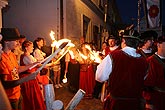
{"type": "Point", "coordinates": [87, 79]}
{"type": "Point", "coordinates": [32, 97]}
{"type": "Point", "coordinates": [126, 81]}
{"type": "Point", "coordinates": [156, 80]}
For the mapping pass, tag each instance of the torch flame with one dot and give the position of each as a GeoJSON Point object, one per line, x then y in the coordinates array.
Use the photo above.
{"type": "Point", "coordinates": [93, 54]}
{"type": "Point", "coordinates": [52, 35]}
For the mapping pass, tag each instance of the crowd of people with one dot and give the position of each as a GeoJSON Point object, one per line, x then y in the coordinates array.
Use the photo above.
{"type": "Point", "coordinates": [130, 76]}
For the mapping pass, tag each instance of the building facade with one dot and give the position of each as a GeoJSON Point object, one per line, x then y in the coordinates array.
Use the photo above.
{"type": "Point", "coordinates": [70, 19]}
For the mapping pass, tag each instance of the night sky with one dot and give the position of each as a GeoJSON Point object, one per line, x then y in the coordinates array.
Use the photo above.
{"type": "Point", "coordinates": [128, 9]}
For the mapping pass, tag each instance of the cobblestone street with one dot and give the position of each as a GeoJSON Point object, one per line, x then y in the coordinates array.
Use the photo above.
{"type": "Point", "coordinates": [65, 96]}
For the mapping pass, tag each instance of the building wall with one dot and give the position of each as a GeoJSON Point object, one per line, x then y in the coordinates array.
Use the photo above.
{"type": "Point", "coordinates": [34, 18]}
{"type": "Point", "coordinates": [73, 20]}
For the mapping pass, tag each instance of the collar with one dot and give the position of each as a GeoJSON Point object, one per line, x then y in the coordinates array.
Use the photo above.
{"type": "Point", "coordinates": [130, 51]}
{"type": "Point", "coordinates": [147, 51]}
{"type": "Point", "coordinates": [161, 57]}
{"type": "Point", "coordinates": [113, 48]}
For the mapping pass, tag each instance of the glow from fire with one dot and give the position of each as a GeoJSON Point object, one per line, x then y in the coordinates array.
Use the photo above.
{"type": "Point", "coordinates": [93, 54]}
{"type": "Point", "coordinates": [52, 35]}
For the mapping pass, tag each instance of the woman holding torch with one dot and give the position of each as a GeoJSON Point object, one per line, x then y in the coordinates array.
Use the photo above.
{"type": "Point", "coordinates": [87, 80]}
{"type": "Point", "coordinates": [30, 90]}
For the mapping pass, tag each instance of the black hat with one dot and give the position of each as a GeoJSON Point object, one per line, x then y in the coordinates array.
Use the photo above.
{"type": "Point", "coordinates": [150, 34]}
{"type": "Point", "coordinates": [161, 39]}
{"type": "Point", "coordinates": [131, 34]}
{"type": "Point", "coordinates": [10, 34]}
{"type": "Point", "coordinates": [113, 37]}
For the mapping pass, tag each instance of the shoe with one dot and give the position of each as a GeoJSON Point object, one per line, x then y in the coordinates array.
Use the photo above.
{"type": "Point", "coordinates": [56, 86]}
{"type": "Point", "coordinates": [59, 85]}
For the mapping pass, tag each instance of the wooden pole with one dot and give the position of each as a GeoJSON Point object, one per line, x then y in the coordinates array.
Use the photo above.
{"type": "Point", "coordinates": [75, 100]}
{"type": "Point", "coordinates": [138, 20]}
{"type": "Point", "coordinates": [49, 96]}
{"type": "Point", "coordinates": [50, 57]}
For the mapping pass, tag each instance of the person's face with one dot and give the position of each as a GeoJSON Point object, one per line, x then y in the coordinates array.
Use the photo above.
{"type": "Point", "coordinates": [12, 44]}
{"type": "Point", "coordinates": [149, 43]}
{"type": "Point", "coordinates": [82, 40]}
{"type": "Point", "coordinates": [40, 43]}
{"type": "Point", "coordinates": [29, 48]}
{"type": "Point", "coordinates": [104, 46]}
{"type": "Point", "coordinates": [161, 47]}
{"type": "Point", "coordinates": [111, 42]}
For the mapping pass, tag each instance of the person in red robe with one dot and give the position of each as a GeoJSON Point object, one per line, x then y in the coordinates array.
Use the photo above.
{"type": "Point", "coordinates": [155, 81]}
{"type": "Point", "coordinates": [87, 79]}
{"type": "Point", "coordinates": [32, 96]}
{"type": "Point", "coordinates": [125, 71]}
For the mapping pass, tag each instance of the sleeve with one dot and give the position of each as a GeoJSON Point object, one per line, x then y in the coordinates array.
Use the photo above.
{"type": "Point", "coordinates": [27, 60]}
{"type": "Point", "coordinates": [3, 68]}
{"type": "Point", "coordinates": [38, 55]}
{"type": "Point", "coordinates": [104, 69]}
{"type": "Point", "coordinates": [67, 57]}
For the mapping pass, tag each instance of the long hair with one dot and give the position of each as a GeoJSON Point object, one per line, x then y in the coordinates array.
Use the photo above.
{"type": "Point", "coordinates": [35, 42]}
{"type": "Point", "coordinates": [26, 44]}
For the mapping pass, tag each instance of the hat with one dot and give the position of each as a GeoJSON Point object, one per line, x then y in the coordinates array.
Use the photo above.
{"type": "Point", "coordinates": [10, 34]}
{"type": "Point", "coordinates": [112, 37]}
{"type": "Point", "coordinates": [131, 34]}
{"type": "Point", "coordinates": [161, 39]}
{"type": "Point", "coordinates": [150, 34]}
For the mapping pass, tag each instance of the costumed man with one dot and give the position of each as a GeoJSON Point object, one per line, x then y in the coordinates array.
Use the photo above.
{"type": "Point", "coordinates": [125, 71]}
{"type": "Point", "coordinates": [9, 68]}
{"type": "Point", "coordinates": [147, 47]}
{"type": "Point", "coordinates": [4, 102]}
{"type": "Point", "coordinates": [155, 81]}
{"type": "Point", "coordinates": [113, 43]}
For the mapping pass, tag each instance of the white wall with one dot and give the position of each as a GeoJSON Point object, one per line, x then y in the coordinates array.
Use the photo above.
{"type": "Point", "coordinates": [34, 18]}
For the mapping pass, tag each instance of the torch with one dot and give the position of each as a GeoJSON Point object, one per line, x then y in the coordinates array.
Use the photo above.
{"type": "Point", "coordinates": [53, 40]}
{"type": "Point", "coordinates": [51, 56]}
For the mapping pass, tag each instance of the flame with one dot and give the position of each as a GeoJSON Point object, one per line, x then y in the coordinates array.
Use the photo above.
{"type": "Point", "coordinates": [93, 54]}
{"type": "Point", "coordinates": [71, 54]}
{"type": "Point", "coordinates": [97, 58]}
{"type": "Point", "coordinates": [54, 43]}
{"type": "Point", "coordinates": [82, 55]}
{"type": "Point", "coordinates": [52, 35]}
{"type": "Point", "coordinates": [88, 47]}
{"type": "Point", "coordinates": [62, 41]}
{"type": "Point", "coordinates": [64, 80]}
{"type": "Point", "coordinates": [64, 50]}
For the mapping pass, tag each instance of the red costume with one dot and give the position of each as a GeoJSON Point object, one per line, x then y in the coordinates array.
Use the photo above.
{"type": "Point", "coordinates": [156, 81]}
{"type": "Point", "coordinates": [126, 83]}
{"type": "Point", "coordinates": [87, 79]}
{"type": "Point", "coordinates": [32, 97]}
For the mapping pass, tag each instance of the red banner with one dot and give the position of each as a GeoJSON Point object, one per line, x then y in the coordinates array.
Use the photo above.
{"type": "Point", "coordinates": [153, 12]}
